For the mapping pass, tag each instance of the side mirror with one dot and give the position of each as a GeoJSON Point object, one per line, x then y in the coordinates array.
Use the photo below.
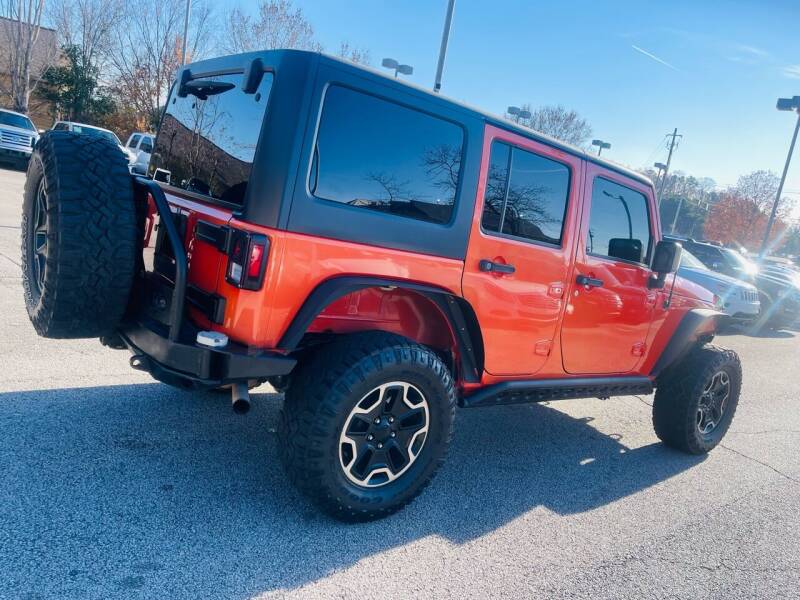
{"type": "Point", "coordinates": [666, 260]}
{"type": "Point", "coordinates": [626, 249]}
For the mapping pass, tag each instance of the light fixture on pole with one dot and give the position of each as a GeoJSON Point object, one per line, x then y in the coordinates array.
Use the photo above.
{"type": "Point", "coordinates": [391, 63]}
{"type": "Point", "coordinates": [660, 168]}
{"type": "Point", "coordinates": [787, 104]}
{"type": "Point", "coordinates": [601, 145]}
{"type": "Point", "coordinates": [518, 113]}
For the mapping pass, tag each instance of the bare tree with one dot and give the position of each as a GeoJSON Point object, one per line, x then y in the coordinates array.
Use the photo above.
{"type": "Point", "coordinates": [89, 25]}
{"type": "Point", "coordinates": [354, 54]}
{"type": "Point", "coordinates": [147, 50]}
{"type": "Point", "coordinates": [558, 122]}
{"type": "Point", "coordinates": [278, 24]}
{"type": "Point", "coordinates": [760, 188]}
{"type": "Point", "coordinates": [26, 57]}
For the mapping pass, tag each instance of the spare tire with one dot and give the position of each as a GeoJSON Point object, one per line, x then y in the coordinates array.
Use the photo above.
{"type": "Point", "coordinates": [79, 236]}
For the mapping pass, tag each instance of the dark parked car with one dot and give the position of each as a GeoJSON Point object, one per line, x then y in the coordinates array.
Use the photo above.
{"type": "Point", "coordinates": [723, 260]}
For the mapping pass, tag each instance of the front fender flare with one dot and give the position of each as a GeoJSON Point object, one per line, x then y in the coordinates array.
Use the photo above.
{"type": "Point", "coordinates": [690, 330]}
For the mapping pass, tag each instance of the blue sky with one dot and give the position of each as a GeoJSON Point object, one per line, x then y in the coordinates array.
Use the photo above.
{"type": "Point", "coordinates": [715, 70]}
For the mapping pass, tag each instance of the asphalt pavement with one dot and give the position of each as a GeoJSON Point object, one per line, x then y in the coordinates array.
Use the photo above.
{"type": "Point", "coordinates": [115, 486]}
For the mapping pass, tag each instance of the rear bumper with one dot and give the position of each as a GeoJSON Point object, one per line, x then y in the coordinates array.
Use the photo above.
{"type": "Point", "coordinates": [163, 341]}
{"type": "Point", "coordinates": [189, 364]}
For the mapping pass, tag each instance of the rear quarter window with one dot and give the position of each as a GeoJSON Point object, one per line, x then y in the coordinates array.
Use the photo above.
{"type": "Point", "coordinates": [206, 145]}
{"type": "Point", "coordinates": [374, 154]}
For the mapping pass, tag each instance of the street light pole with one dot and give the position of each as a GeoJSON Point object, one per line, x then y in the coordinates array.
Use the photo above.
{"type": "Point", "coordinates": [391, 63]}
{"type": "Point", "coordinates": [448, 21]}
{"type": "Point", "coordinates": [185, 31]}
{"type": "Point", "coordinates": [783, 104]}
{"type": "Point", "coordinates": [601, 145]}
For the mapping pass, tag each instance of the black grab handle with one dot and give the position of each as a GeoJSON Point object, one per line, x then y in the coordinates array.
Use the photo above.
{"type": "Point", "coordinates": [487, 266]}
{"type": "Point", "coordinates": [588, 281]}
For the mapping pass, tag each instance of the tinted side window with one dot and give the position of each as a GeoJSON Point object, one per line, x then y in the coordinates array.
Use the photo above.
{"type": "Point", "coordinates": [206, 142]}
{"type": "Point", "coordinates": [378, 155]}
{"type": "Point", "coordinates": [134, 140]}
{"type": "Point", "coordinates": [61, 127]}
{"type": "Point", "coordinates": [619, 225]}
{"type": "Point", "coordinates": [526, 196]}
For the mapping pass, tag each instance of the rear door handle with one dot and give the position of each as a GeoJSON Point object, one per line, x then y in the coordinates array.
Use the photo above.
{"type": "Point", "coordinates": [488, 266]}
{"type": "Point", "coordinates": [588, 281]}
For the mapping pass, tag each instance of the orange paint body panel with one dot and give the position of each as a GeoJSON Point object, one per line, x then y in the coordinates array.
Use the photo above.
{"type": "Point", "coordinates": [299, 263]}
{"type": "Point", "coordinates": [520, 312]}
{"type": "Point", "coordinates": [536, 321]}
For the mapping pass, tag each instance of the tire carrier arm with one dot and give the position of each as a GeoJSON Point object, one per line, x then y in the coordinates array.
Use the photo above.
{"type": "Point", "coordinates": [165, 218]}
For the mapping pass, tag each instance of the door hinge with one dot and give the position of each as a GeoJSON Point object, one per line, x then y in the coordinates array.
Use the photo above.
{"type": "Point", "coordinates": [215, 235]}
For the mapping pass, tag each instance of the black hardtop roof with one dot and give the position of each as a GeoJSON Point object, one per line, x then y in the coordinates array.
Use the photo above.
{"type": "Point", "coordinates": [272, 57]}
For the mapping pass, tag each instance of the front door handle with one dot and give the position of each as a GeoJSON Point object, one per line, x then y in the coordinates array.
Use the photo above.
{"type": "Point", "coordinates": [488, 266]}
{"type": "Point", "coordinates": [588, 281]}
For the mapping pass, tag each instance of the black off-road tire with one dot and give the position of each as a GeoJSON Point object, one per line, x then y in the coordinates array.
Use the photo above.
{"type": "Point", "coordinates": [89, 256]}
{"type": "Point", "coordinates": [323, 392]}
{"type": "Point", "coordinates": [678, 397]}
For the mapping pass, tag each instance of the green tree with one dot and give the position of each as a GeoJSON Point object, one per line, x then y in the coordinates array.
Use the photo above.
{"type": "Point", "coordinates": [73, 89]}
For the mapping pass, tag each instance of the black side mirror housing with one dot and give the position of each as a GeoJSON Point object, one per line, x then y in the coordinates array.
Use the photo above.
{"type": "Point", "coordinates": [666, 260]}
{"type": "Point", "coordinates": [626, 249]}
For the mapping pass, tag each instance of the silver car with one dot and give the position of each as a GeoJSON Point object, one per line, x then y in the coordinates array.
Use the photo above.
{"type": "Point", "coordinates": [734, 297]}
{"type": "Point", "coordinates": [18, 135]}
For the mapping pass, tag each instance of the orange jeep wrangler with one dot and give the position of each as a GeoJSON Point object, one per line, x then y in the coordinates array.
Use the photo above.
{"type": "Point", "coordinates": [378, 252]}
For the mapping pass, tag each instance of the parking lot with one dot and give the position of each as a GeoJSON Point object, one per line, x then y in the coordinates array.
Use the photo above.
{"type": "Point", "coordinates": [115, 486]}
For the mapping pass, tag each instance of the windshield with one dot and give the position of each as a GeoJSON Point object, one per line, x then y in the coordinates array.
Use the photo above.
{"type": "Point", "coordinates": [690, 261]}
{"type": "Point", "coordinates": [93, 131]}
{"type": "Point", "coordinates": [16, 121]}
{"type": "Point", "coordinates": [747, 266]}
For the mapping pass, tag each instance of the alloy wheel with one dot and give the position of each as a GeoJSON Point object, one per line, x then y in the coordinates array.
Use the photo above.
{"type": "Point", "coordinates": [713, 402]}
{"type": "Point", "coordinates": [384, 434]}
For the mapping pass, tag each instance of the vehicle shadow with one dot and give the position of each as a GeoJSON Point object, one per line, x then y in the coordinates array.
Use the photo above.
{"type": "Point", "coordinates": [146, 491]}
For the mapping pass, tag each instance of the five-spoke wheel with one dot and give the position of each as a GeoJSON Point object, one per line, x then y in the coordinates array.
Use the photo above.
{"type": "Point", "coordinates": [366, 422]}
{"type": "Point", "coordinates": [384, 434]}
{"type": "Point", "coordinates": [713, 401]}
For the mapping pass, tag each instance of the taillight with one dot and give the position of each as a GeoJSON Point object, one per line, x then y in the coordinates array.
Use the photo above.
{"type": "Point", "coordinates": [247, 260]}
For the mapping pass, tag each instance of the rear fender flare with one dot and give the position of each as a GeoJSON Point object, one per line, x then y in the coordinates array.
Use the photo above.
{"type": "Point", "coordinates": [459, 314]}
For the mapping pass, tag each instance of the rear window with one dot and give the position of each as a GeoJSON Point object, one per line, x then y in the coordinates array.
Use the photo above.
{"type": "Point", "coordinates": [526, 195]}
{"type": "Point", "coordinates": [94, 132]}
{"type": "Point", "coordinates": [378, 155]}
{"type": "Point", "coordinates": [206, 145]}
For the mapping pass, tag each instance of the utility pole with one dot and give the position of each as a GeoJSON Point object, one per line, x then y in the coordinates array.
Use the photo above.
{"type": "Point", "coordinates": [672, 135]}
{"type": "Point", "coordinates": [185, 30]}
{"type": "Point", "coordinates": [448, 21]}
{"type": "Point", "coordinates": [675, 218]}
{"type": "Point", "coordinates": [783, 104]}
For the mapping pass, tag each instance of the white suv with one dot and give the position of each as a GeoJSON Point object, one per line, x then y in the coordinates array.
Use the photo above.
{"type": "Point", "coordinates": [141, 144]}
{"type": "Point", "coordinates": [85, 129]}
{"type": "Point", "coordinates": [18, 136]}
